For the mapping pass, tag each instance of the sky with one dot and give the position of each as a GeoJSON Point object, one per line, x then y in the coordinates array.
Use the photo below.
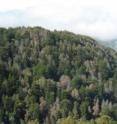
{"type": "Point", "coordinates": [96, 18]}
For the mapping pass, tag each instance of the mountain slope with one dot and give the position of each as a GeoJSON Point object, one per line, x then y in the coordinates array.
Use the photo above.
{"type": "Point", "coordinates": [49, 77]}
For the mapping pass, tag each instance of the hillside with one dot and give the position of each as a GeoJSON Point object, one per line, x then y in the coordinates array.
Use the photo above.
{"type": "Point", "coordinates": [56, 78]}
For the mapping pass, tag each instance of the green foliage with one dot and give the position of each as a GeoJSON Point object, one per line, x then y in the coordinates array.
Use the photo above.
{"type": "Point", "coordinates": [56, 78]}
{"type": "Point", "coordinates": [77, 81]}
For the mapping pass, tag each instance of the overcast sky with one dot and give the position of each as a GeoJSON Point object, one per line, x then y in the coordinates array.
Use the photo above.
{"type": "Point", "coordinates": [97, 18]}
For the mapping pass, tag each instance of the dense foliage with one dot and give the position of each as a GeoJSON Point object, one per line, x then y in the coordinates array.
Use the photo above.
{"type": "Point", "coordinates": [56, 78]}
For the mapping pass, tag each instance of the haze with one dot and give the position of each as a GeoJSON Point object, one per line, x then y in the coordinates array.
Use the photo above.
{"type": "Point", "coordinates": [97, 18]}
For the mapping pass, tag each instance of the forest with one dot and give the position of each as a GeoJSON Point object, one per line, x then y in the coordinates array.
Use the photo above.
{"type": "Point", "coordinates": [56, 77]}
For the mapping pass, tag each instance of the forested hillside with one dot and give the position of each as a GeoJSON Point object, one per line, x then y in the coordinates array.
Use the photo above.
{"type": "Point", "coordinates": [56, 78]}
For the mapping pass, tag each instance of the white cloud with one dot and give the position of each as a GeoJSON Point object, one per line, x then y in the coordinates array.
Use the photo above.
{"type": "Point", "coordinates": [97, 18]}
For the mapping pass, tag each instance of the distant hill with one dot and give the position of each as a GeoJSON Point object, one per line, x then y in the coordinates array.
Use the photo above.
{"type": "Point", "coordinates": [111, 44]}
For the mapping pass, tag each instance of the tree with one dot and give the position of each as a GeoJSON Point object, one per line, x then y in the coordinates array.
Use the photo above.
{"type": "Point", "coordinates": [76, 81]}
{"type": "Point", "coordinates": [33, 122]}
{"type": "Point", "coordinates": [84, 110]}
{"type": "Point", "coordinates": [32, 113]}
